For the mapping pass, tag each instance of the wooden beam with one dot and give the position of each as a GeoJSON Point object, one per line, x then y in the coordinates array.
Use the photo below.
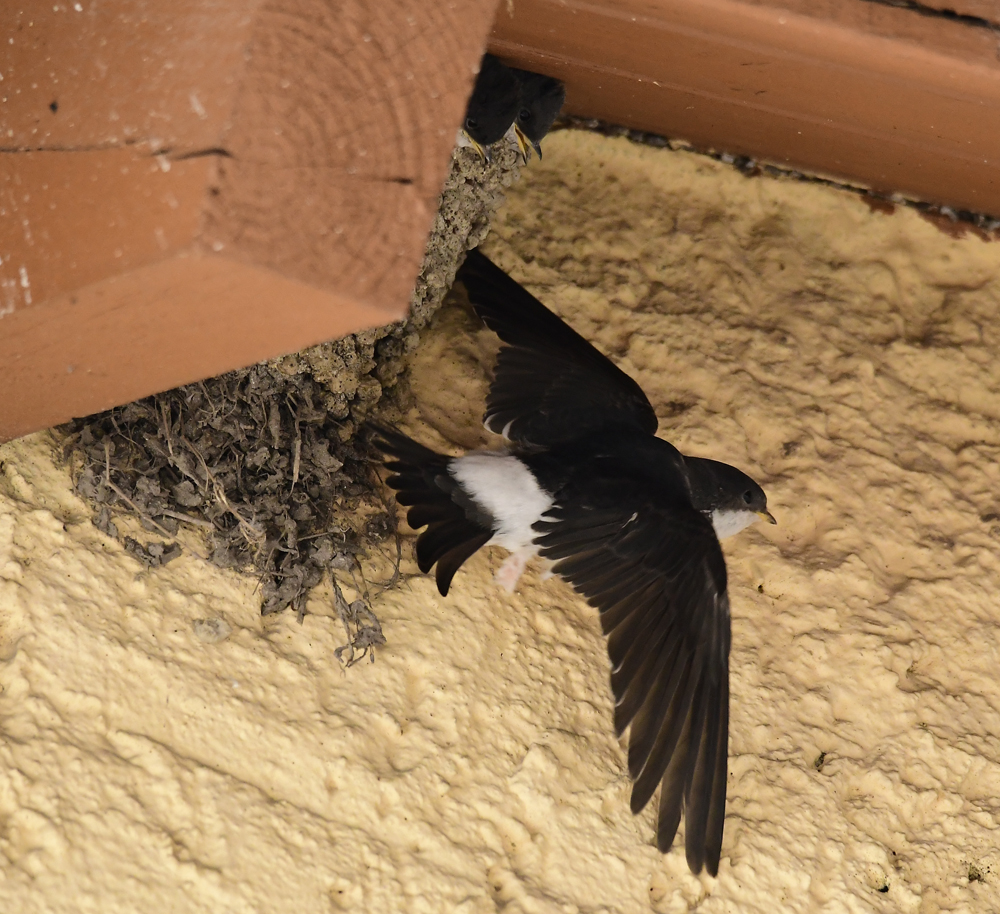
{"type": "Point", "coordinates": [987, 10]}
{"type": "Point", "coordinates": [886, 97]}
{"type": "Point", "coordinates": [265, 171]}
{"type": "Point", "coordinates": [299, 146]}
{"type": "Point", "coordinates": [128, 332]}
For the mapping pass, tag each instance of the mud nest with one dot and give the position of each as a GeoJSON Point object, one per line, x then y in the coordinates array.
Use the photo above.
{"type": "Point", "coordinates": [265, 461]}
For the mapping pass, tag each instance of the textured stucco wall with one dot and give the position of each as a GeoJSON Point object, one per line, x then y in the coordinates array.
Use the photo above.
{"type": "Point", "coordinates": [845, 358]}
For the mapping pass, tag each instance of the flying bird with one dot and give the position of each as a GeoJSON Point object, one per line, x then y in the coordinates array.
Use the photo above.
{"type": "Point", "coordinates": [623, 516]}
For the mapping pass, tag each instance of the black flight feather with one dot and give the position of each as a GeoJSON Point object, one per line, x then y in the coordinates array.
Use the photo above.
{"type": "Point", "coordinates": [456, 526]}
{"type": "Point", "coordinates": [550, 385]}
{"type": "Point", "coordinates": [629, 529]}
{"type": "Point", "coordinates": [666, 613]}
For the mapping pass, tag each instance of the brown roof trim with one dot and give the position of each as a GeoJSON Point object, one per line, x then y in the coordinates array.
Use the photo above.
{"type": "Point", "coordinates": [193, 186]}
{"type": "Point", "coordinates": [870, 93]}
{"type": "Point", "coordinates": [167, 323]}
{"type": "Point", "coordinates": [986, 10]}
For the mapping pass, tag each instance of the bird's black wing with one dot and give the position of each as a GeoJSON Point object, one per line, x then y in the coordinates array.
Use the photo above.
{"type": "Point", "coordinates": [550, 385]}
{"type": "Point", "coordinates": [657, 575]}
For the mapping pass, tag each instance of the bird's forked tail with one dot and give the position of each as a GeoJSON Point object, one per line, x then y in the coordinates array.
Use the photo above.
{"type": "Point", "coordinates": [456, 527]}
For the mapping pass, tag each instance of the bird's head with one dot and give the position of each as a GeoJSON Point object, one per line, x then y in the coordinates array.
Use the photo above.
{"type": "Point", "coordinates": [541, 100]}
{"type": "Point", "coordinates": [730, 498]}
{"type": "Point", "coordinates": [493, 105]}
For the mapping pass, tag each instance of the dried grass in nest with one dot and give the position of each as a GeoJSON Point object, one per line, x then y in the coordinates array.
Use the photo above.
{"type": "Point", "coordinates": [264, 461]}
{"type": "Point", "coordinates": [249, 459]}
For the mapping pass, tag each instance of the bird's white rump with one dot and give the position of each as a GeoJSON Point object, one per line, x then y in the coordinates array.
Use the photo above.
{"type": "Point", "coordinates": [508, 490]}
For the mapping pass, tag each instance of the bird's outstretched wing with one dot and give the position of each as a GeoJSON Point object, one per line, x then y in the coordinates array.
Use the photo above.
{"type": "Point", "coordinates": [658, 578]}
{"type": "Point", "coordinates": [550, 385]}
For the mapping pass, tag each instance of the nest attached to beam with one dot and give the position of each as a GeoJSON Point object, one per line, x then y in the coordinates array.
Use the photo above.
{"type": "Point", "coordinates": [263, 461]}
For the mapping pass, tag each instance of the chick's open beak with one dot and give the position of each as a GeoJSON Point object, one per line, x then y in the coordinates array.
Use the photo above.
{"type": "Point", "coordinates": [767, 515]}
{"type": "Point", "coordinates": [523, 144]}
{"type": "Point", "coordinates": [484, 153]}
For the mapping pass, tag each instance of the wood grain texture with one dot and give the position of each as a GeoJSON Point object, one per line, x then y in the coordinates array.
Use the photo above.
{"type": "Point", "coordinates": [340, 139]}
{"type": "Point", "coordinates": [127, 343]}
{"type": "Point", "coordinates": [74, 218]}
{"type": "Point", "coordinates": [902, 19]}
{"type": "Point", "coordinates": [302, 143]}
{"type": "Point", "coordinates": [881, 96]}
{"type": "Point", "coordinates": [123, 72]}
{"type": "Point", "coordinates": [988, 10]}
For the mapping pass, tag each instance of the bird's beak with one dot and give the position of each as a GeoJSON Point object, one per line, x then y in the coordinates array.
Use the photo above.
{"type": "Point", "coordinates": [523, 144]}
{"type": "Point", "coordinates": [538, 148]}
{"type": "Point", "coordinates": [766, 515]}
{"type": "Point", "coordinates": [484, 154]}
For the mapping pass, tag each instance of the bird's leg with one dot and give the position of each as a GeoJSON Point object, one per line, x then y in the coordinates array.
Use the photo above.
{"type": "Point", "coordinates": [509, 573]}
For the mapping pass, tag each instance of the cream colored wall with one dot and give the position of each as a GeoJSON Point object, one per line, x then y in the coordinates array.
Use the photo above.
{"type": "Point", "coordinates": [845, 358]}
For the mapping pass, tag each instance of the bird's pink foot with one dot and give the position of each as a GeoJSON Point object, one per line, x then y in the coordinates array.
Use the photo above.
{"type": "Point", "coordinates": [509, 573]}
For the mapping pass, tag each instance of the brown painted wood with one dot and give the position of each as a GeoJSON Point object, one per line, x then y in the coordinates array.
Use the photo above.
{"type": "Point", "coordinates": [884, 15]}
{"type": "Point", "coordinates": [983, 9]}
{"type": "Point", "coordinates": [231, 165]}
{"type": "Point", "coordinates": [76, 218]}
{"type": "Point", "coordinates": [152, 329]}
{"type": "Point", "coordinates": [874, 94]}
{"type": "Point", "coordinates": [265, 171]}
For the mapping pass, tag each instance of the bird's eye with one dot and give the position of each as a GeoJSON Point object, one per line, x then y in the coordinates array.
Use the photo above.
{"type": "Point", "coordinates": [747, 497]}
{"type": "Point", "coordinates": [525, 115]}
{"type": "Point", "coordinates": [471, 123]}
